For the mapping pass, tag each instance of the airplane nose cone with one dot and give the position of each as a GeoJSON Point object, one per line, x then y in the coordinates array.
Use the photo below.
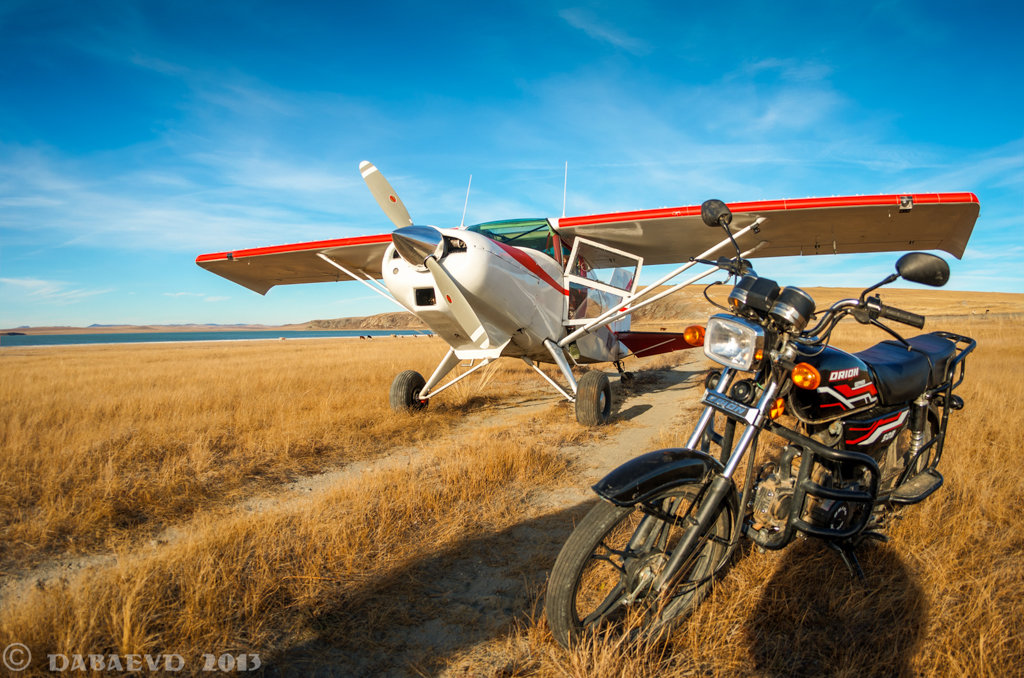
{"type": "Point", "coordinates": [416, 244]}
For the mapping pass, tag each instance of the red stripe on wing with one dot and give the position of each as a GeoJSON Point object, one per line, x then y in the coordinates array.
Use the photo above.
{"type": "Point", "coordinates": [296, 247]}
{"type": "Point", "coordinates": [772, 206]}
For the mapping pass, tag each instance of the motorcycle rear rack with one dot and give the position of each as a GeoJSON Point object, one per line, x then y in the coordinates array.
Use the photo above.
{"type": "Point", "coordinates": [958, 361]}
{"type": "Point", "coordinates": [944, 392]}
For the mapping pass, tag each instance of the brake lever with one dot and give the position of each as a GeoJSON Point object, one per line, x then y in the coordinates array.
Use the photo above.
{"type": "Point", "coordinates": [867, 312]}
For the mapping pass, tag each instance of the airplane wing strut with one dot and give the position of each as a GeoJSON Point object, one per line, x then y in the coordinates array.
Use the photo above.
{"type": "Point", "coordinates": [368, 281]}
{"type": "Point", "coordinates": [631, 304]}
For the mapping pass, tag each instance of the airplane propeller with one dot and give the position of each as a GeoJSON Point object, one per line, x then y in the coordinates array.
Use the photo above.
{"type": "Point", "coordinates": [461, 308]}
{"type": "Point", "coordinates": [424, 246]}
{"type": "Point", "coordinates": [385, 195]}
{"type": "Point", "coordinates": [417, 243]}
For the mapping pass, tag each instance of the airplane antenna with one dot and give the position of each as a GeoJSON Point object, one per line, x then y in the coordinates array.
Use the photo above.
{"type": "Point", "coordinates": [565, 186]}
{"type": "Point", "coordinates": [464, 207]}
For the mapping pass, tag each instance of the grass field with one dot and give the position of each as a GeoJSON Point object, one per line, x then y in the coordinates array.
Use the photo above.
{"type": "Point", "coordinates": [147, 456]}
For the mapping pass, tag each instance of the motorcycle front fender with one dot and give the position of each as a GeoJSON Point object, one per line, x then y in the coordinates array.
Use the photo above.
{"type": "Point", "coordinates": [641, 478]}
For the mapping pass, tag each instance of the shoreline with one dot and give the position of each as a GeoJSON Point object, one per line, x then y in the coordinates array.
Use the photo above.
{"type": "Point", "coordinates": [272, 336]}
{"type": "Point", "coordinates": [53, 330]}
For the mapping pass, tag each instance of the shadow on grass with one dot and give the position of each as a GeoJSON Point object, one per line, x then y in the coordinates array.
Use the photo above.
{"type": "Point", "coordinates": [652, 381]}
{"type": "Point", "coordinates": [813, 619]}
{"type": "Point", "coordinates": [417, 617]}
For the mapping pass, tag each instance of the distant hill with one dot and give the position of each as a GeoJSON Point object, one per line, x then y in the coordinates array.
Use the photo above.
{"type": "Point", "coordinates": [400, 320]}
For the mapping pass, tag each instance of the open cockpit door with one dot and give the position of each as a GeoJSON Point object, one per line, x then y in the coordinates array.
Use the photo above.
{"type": "Point", "coordinates": [598, 278]}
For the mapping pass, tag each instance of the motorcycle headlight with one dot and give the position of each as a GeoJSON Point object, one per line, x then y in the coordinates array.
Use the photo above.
{"type": "Point", "coordinates": [733, 342]}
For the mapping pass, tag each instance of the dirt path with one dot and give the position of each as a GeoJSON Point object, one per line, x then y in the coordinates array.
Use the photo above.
{"type": "Point", "coordinates": [287, 496]}
{"type": "Point", "coordinates": [462, 602]}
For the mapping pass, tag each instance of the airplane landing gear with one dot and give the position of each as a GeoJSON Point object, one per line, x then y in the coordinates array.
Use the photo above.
{"type": "Point", "coordinates": [405, 392]}
{"type": "Point", "coordinates": [593, 399]}
{"type": "Point", "coordinates": [625, 378]}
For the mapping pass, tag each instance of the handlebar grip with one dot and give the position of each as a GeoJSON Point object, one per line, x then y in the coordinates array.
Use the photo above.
{"type": "Point", "coordinates": [901, 316]}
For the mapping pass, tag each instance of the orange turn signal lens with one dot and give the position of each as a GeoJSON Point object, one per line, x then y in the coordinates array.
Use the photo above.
{"type": "Point", "coordinates": [806, 376]}
{"type": "Point", "coordinates": [694, 335]}
{"type": "Point", "coordinates": [777, 410]}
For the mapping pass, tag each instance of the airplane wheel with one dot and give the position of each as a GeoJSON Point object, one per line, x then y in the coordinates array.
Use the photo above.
{"type": "Point", "coordinates": [593, 399]}
{"type": "Point", "coordinates": [405, 392]}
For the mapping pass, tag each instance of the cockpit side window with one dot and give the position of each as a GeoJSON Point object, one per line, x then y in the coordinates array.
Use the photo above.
{"type": "Point", "coordinates": [535, 234]}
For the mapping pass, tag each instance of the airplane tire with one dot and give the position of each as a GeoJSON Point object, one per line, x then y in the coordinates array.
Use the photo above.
{"type": "Point", "coordinates": [593, 399]}
{"type": "Point", "coordinates": [405, 392]}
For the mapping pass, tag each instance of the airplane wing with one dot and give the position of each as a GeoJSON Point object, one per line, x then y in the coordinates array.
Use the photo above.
{"type": "Point", "coordinates": [841, 225]}
{"type": "Point", "coordinates": [261, 268]}
{"type": "Point", "coordinates": [643, 344]}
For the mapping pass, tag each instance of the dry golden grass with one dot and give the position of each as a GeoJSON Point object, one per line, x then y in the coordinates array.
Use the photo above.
{"type": "Point", "coordinates": [98, 442]}
{"type": "Point", "coordinates": [268, 581]}
{"type": "Point", "coordinates": [177, 434]}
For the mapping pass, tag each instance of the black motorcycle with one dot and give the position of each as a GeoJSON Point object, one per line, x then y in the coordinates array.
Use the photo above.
{"type": "Point", "coordinates": [862, 433]}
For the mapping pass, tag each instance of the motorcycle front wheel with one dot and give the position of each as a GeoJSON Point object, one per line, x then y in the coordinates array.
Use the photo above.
{"type": "Point", "coordinates": [602, 579]}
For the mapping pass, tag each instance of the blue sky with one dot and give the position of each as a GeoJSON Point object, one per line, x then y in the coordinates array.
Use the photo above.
{"type": "Point", "coordinates": [136, 135]}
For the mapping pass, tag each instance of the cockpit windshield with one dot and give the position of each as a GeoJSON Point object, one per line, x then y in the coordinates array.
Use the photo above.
{"type": "Point", "coordinates": [535, 234]}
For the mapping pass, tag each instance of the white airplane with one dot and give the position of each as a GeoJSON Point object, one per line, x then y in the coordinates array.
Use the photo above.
{"type": "Point", "coordinates": [561, 290]}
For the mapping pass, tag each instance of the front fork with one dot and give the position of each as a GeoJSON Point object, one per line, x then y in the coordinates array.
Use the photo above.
{"type": "Point", "coordinates": [721, 485]}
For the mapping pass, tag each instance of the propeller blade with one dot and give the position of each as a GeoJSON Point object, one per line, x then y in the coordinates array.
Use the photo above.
{"type": "Point", "coordinates": [461, 309]}
{"type": "Point", "coordinates": [385, 195]}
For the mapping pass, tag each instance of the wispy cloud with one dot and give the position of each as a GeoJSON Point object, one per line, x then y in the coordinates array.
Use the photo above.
{"type": "Point", "coordinates": [602, 31]}
{"type": "Point", "coordinates": [790, 70]}
{"type": "Point", "coordinates": [204, 201]}
{"type": "Point", "coordinates": [49, 291]}
{"type": "Point", "coordinates": [197, 295]}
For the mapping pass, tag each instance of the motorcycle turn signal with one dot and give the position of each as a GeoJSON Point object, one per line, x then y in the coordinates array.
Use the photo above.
{"type": "Point", "coordinates": [806, 376]}
{"type": "Point", "coordinates": [694, 335]}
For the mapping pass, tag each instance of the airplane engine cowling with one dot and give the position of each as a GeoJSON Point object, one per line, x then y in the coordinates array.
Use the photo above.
{"type": "Point", "coordinates": [516, 293]}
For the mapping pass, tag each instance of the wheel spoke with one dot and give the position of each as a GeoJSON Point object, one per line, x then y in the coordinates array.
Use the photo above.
{"type": "Point", "coordinates": [612, 601]}
{"type": "Point", "coordinates": [607, 558]}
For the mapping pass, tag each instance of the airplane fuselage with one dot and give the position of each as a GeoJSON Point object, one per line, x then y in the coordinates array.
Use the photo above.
{"type": "Point", "coordinates": [517, 293]}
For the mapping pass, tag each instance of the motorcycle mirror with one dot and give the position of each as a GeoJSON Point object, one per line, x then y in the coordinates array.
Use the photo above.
{"type": "Point", "coordinates": [923, 268]}
{"type": "Point", "coordinates": [715, 213]}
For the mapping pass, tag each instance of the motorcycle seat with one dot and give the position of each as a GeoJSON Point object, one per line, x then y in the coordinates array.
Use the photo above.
{"type": "Point", "coordinates": [902, 373]}
{"type": "Point", "coordinates": [939, 351]}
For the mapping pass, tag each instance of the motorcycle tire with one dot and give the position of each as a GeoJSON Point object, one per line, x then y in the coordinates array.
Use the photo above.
{"type": "Point", "coordinates": [602, 576]}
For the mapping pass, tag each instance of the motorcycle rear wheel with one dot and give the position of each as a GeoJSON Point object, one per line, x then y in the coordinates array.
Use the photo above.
{"type": "Point", "coordinates": [602, 578]}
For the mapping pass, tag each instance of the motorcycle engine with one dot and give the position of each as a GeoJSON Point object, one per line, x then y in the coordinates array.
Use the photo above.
{"type": "Point", "coordinates": [829, 513]}
{"type": "Point", "coordinates": [772, 502]}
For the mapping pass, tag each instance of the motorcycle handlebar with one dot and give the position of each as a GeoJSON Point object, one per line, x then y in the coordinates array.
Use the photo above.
{"type": "Point", "coordinates": [901, 316]}
{"type": "Point", "coordinates": [864, 311]}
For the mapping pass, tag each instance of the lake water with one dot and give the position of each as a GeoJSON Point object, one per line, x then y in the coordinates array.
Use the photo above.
{"type": "Point", "coordinates": [214, 335]}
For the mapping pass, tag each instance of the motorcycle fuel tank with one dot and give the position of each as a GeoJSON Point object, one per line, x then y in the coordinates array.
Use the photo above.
{"type": "Point", "coordinates": [846, 386]}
